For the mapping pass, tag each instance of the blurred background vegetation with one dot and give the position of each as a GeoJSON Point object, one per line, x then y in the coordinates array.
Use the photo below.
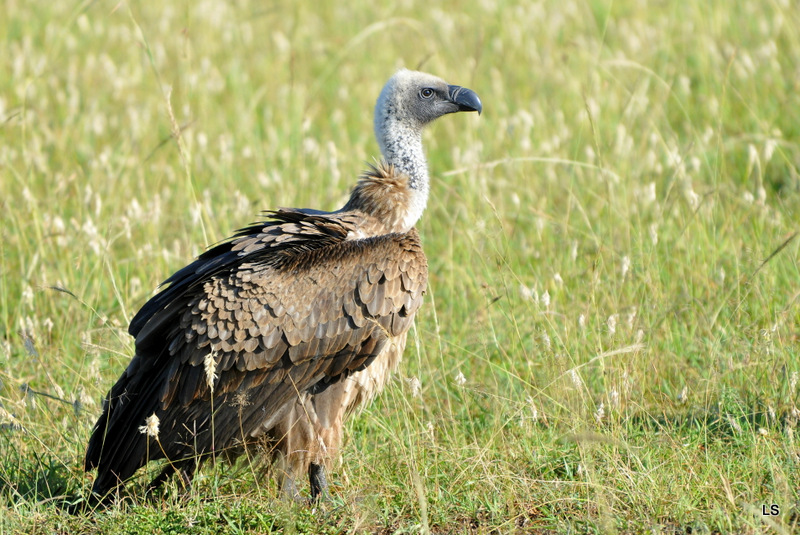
{"type": "Point", "coordinates": [610, 339]}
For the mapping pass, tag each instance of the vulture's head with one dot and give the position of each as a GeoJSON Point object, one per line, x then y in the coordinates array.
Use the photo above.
{"type": "Point", "coordinates": [414, 99]}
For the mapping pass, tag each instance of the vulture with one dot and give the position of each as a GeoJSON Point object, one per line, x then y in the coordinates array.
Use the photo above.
{"type": "Point", "coordinates": [278, 333]}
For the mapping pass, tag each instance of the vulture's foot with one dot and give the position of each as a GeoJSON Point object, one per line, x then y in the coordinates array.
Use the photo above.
{"type": "Point", "coordinates": [289, 489]}
{"type": "Point", "coordinates": [319, 483]}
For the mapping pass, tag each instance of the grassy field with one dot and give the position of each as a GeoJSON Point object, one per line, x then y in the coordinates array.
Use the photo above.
{"type": "Point", "coordinates": [611, 338]}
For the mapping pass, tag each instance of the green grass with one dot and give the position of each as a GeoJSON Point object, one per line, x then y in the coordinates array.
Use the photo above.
{"type": "Point", "coordinates": [612, 247]}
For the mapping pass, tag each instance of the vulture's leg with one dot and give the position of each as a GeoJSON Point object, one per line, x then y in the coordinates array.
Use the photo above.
{"type": "Point", "coordinates": [292, 450]}
{"type": "Point", "coordinates": [319, 482]}
{"type": "Point", "coordinates": [289, 488]}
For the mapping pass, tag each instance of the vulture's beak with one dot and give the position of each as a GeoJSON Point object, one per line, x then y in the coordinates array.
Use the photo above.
{"type": "Point", "coordinates": [466, 99]}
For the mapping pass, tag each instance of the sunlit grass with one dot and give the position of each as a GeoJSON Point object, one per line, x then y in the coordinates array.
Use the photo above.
{"type": "Point", "coordinates": [610, 338]}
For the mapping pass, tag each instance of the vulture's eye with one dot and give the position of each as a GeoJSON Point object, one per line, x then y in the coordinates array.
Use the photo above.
{"type": "Point", "coordinates": [426, 92]}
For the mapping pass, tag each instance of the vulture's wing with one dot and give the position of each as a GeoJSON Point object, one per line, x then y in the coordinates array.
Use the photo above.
{"type": "Point", "coordinates": [283, 308]}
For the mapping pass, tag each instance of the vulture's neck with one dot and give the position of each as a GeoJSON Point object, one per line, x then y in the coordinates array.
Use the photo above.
{"type": "Point", "coordinates": [397, 191]}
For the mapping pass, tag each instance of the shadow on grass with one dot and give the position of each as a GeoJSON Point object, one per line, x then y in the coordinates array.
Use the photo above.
{"type": "Point", "coordinates": [716, 422]}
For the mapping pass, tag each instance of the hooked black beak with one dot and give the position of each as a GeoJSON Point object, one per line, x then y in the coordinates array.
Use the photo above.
{"type": "Point", "coordinates": [466, 99]}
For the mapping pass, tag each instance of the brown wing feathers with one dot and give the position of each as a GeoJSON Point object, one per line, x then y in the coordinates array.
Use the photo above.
{"type": "Point", "coordinates": [279, 310]}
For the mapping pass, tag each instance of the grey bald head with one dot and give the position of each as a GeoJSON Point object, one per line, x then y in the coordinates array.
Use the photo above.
{"type": "Point", "coordinates": [409, 101]}
{"type": "Point", "coordinates": [417, 98]}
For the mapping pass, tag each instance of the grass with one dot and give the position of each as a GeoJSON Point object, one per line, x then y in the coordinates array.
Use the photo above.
{"type": "Point", "coordinates": [610, 338]}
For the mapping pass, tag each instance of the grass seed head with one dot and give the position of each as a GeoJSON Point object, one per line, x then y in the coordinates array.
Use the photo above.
{"type": "Point", "coordinates": [415, 386]}
{"type": "Point", "coordinates": [577, 382]}
{"type": "Point", "coordinates": [600, 413]}
{"type": "Point", "coordinates": [460, 379]}
{"type": "Point", "coordinates": [150, 427]}
{"type": "Point", "coordinates": [612, 323]}
{"type": "Point", "coordinates": [210, 365]}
